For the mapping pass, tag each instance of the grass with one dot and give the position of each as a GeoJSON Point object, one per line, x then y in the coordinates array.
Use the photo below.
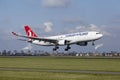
{"type": "Point", "coordinates": [21, 75]}
{"type": "Point", "coordinates": [61, 63]}
{"type": "Point", "coordinates": [58, 63]}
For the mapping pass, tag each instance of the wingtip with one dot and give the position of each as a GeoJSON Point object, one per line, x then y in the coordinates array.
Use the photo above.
{"type": "Point", "coordinates": [14, 33]}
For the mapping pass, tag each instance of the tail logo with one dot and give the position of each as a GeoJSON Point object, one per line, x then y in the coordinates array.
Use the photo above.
{"type": "Point", "coordinates": [29, 33]}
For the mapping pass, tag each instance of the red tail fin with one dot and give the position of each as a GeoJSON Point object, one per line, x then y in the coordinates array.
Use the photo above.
{"type": "Point", "coordinates": [29, 32]}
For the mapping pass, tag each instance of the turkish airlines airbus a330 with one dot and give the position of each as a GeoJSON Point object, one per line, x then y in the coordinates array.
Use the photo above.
{"type": "Point", "coordinates": [79, 38]}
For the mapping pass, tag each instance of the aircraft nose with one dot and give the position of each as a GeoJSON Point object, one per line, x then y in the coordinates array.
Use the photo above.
{"type": "Point", "coordinates": [101, 35]}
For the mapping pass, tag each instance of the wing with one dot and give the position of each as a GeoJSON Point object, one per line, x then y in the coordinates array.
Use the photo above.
{"type": "Point", "coordinates": [37, 38]}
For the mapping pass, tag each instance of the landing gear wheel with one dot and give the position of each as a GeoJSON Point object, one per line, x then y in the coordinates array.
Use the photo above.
{"type": "Point", "coordinates": [68, 47]}
{"type": "Point", "coordinates": [56, 47]}
{"type": "Point", "coordinates": [93, 43]}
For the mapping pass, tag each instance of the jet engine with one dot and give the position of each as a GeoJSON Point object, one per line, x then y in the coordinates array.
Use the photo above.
{"type": "Point", "coordinates": [61, 42]}
{"type": "Point", "coordinates": [82, 43]}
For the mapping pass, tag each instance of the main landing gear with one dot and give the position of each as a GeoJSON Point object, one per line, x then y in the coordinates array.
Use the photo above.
{"type": "Point", "coordinates": [67, 48]}
{"type": "Point", "coordinates": [56, 47]}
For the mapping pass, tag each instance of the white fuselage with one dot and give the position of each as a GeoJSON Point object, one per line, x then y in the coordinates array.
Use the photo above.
{"type": "Point", "coordinates": [73, 38]}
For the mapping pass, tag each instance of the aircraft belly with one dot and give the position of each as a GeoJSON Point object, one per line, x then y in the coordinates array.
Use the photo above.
{"type": "Point", "coordinates": [43, 43]}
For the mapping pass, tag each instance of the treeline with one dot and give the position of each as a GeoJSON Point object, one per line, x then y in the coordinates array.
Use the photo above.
{"type": "Point", "coordinates": [43, 53]}
{"type": "Point", "coordinates": [23, 53]}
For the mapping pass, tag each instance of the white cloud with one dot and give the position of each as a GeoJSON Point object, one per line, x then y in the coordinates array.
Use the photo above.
{"type": "Point", "coordinates": [92, 27]}
{"type": "Point", "coordinates": [98, 46]}
{"type": "Point", "coordinates": [28, 47]}
{"type": "Point", "coordinates": [44, 27]}
{"type": "Point", "coordinates": [48, 26]}
{"type": "Point", "coordinates": [55, 3]}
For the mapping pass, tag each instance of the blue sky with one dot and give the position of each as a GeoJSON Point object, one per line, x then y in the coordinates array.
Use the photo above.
{"type": "Point", "coordinates": [52, 17]}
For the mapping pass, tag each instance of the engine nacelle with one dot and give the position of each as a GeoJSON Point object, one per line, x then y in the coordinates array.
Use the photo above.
{"type": "Point", "coordinates": [82, 43]}
{"type": "Point", "coordinates": [61, 42]}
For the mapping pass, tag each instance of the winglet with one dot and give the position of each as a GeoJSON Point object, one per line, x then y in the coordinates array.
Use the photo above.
{"type": "Point", "coordinates": [14, 33]}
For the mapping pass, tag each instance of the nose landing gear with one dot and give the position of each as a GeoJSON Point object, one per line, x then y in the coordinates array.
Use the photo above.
{"type": "Point", "coordinates": [93, 43]}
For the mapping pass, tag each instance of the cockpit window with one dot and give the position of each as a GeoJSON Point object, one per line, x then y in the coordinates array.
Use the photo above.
{"type": "Point", "coordinates": [97, 33]}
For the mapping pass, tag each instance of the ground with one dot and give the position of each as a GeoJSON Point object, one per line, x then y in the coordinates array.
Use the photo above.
{"type": "Point", "coordinates": [59, 68]}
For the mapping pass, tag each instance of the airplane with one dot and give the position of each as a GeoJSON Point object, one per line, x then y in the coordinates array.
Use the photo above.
{"type": "Point", "coordinates": [79, 38]}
